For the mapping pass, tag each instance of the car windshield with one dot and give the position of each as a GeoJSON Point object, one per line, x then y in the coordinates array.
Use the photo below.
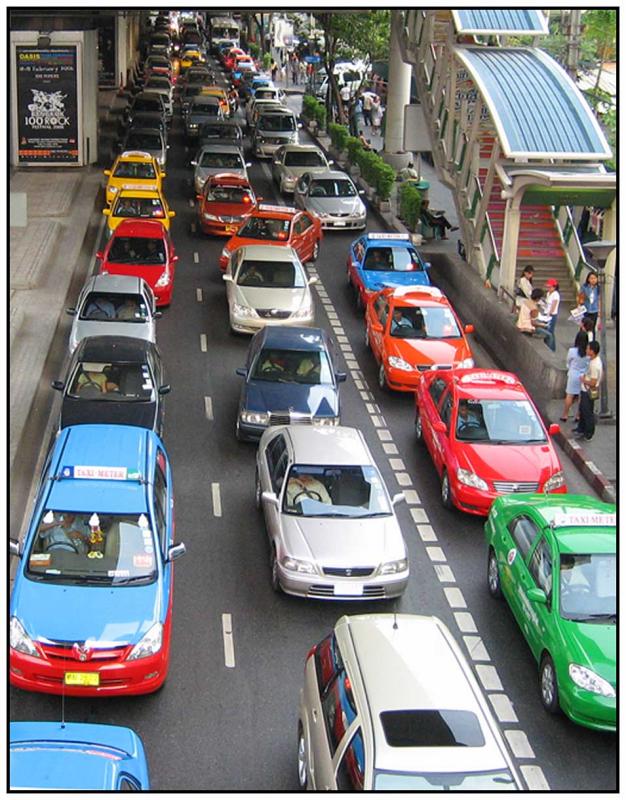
{"type": "Point", "coordinates": [142, 207]}
{"type": "Point", "coordinates": [264, 228]}
{"type": "Point", "coordinates": [495, 781]}
{"type": "Point", "coordinates": [93, 547]}
{"type": "Point", "coordinates": [588, 587]}
{"type": "Point", "coordinates": [137, 250]}
{"type": "Point", "coordinates": [335, 491]}
{"type": "Point", "coordinates": [392, 259]}
{"type": "Point", "coordinates": [265, 94]}
{"type": "Point", "coordinates": [228, 194]}
{"type": "Point", "coordinates": [158, 61]}
{"type": "Point", "coordinates": [120, 382]}
{"type": "Point", "coordinates": [147, 104]}
{"type": "Point", "coordinates": [270, 275]}
{"type": "Point", "coordinates": [118, 307]}
{"type": "Point", "coordinates": [156, 84]}
{"type": "Point", "coordinates": [413, 322]}
{"type": "Point", "coordinates": [277, 122]}
{"type": "Point", "coordinates": [294, 158]}
{"type": "Point", "coordinates": [205, 107]}
{"type": "Point", "coordinates": [144, 141]}
{"type": "Point", "coordinates": [221, 161]}
{"type": "Point", "coordinates": [498, 422]}
{"type": "Point", "coordinates": [134, 169]}
{"type": "Point", "coordinates": [292, 366]}
{"type": "Point", "coordinates": [332, 187]}
{"type": "Point", "coordinates": [220, 132]}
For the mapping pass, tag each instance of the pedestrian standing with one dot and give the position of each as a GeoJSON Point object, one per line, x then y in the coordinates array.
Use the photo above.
{"type": "Point", "coordinates": [589, 296]}
{"type": "Point", "coordinates": [302, 70]}
{"type": "Point", "coordinates": [367, 108]}
{"type": "Point", "coordinates": [553, 300]}
{"type": "Point", "coordinates": [577, 362]}
{"type": "Point", "coordinates": [295, 69]}
{"type": "Point", "coordinates": [377, 115]}
{"type": "Point", "coordinates": [524, 285]}
{"type": "Point", "coordinates": [589, 393]}
{"type": "Point", "coordinates": [274, 69]}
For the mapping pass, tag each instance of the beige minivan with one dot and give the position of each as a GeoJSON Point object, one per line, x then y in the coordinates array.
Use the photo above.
{"type": "Point", "coordinates": [390, 704]}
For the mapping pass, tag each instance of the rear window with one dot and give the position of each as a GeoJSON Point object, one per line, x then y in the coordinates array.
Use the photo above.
{"type": "Point", "coordinates": [432, 727]}
{"type": "Point", "coordinates": [114, 307]}
{"type": "Point", "coordinates": [328, 662]}
{"type": "Point", "coordinates": [134, 169]}
{"type": "Point", "coordinates": [147, 104]}
{"type": "Point", "coordinates": [295, 158]}
{"type": "Point", "coordinates": [277, 122]}
{"type": "Point", "coordinates": [137, 250]}
{"type": "Point", "coordinates": [221, 160]}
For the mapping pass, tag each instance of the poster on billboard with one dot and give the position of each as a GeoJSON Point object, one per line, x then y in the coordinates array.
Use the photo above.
{"type": "Point", "coordinates": [106, 50]}
{"type": "Point", "coordinates": [47, 105]}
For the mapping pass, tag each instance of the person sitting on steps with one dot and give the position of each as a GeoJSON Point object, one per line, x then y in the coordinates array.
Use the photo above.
{"type": "Point", "coordinates": [437, 222]}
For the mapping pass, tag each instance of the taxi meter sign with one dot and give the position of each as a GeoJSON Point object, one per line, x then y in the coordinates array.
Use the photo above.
{"type": "Point", "coordinates": [101, 473]}
{"type": "Point", "coordinates": [585, 519]}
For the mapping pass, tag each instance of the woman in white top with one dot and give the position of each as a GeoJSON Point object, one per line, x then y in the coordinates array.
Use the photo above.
{"type": "Point", "coordinates": [552, 302]}
{"type": "Point", "coordinates": [524, 285]}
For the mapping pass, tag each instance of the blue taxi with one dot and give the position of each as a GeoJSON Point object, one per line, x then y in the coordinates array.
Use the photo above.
{"type": "Point", "coordinates": [380, 260]}
{"type": "Point", "coordinates": [91, 608]}
{"type": "Point", "coordinates": [76, 756]}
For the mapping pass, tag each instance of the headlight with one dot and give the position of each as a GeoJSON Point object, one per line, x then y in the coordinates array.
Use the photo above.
{"type": "Point", "coordinates": [226, 253]}
{"type": "Point", "coordinates": [392, 567]}
{"type": "Point", "coordinates": [467, 363]}
{"type": "Point", "coordinates": [192, 125]}
{"type": "Point", "coordinates": [303, 313]}
{"type": "Point", "coordinates": [588, 680]}
{"type": "Point", "coordinates": [470, 479]}
{"type": "Point", "coordinates": [555, 482]}
{"type": "Point", "coordinates": [255, 417]}
{"type": "Point", "coordinates": [210, 216]}
{"type": "Point", "coordinates": [399, 363]}
{"type": "Point", "coordinates": [164, 280]}
{"type": "Point", "coordinates": [20, 640]}
{"type": "Point", "coordinates": [295, 565]}
{"type": "Point", "coordinates": [149, 645]}
{"type": "Point", "coordinates": [243, 311]}
{"type": "Point", "coordinates": [326, 421]}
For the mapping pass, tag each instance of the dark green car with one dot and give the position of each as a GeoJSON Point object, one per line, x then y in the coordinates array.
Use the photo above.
{"type": "Point", "coordinates": [553, 558]}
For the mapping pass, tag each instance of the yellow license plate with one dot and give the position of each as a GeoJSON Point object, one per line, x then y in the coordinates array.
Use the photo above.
{"type": "Point", "coordinates": [231, 228]}
{"type": "Point", "coordinates": [82, 679]}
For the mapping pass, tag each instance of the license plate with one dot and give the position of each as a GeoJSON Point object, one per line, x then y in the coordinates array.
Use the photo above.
{"type": "Point", "coordinates": [82, 679]}
{"type": "Point", "coordinates": [349, 588]}
{"type": "Point", "coordinates": [340, 224]}
{"type": "Point", "coordinates": [231, 229]}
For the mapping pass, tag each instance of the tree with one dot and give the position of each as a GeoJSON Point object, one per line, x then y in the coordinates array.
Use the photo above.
{"type": "Point", "coordinates": [600, 27]}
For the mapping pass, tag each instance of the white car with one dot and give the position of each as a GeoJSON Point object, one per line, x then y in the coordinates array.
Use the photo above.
{"type": "Point", "coordinates": [254, 108]}
{"type": "Point", "coordinates": [291, 161]}
{"type": "Point", "coordinates": [267, 285]}
{"type": "Point", "coordinates": [214, 159]}
{"type": "Point", "coordinates": [333, 197]}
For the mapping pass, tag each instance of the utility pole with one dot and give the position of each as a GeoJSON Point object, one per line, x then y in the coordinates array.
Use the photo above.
{"type": "Point", "coordinates": [572, 30]}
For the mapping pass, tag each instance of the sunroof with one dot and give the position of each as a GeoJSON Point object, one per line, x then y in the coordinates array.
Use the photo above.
{"type": "Point", "coordinates": [432, 728]}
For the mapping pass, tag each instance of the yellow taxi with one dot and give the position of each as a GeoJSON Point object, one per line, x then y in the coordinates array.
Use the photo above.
{"type": "Point", "coordinates": [140, 202]}
{"type": "Point", "coordinates": [190, 57]}
{"type": "Point", "coordinates": [217, 91]}
{"type": "Point", "coordinates": [131, 169]}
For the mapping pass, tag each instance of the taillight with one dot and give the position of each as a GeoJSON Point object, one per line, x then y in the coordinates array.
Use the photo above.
{"type": "Point", "coordinates": [311, 652]}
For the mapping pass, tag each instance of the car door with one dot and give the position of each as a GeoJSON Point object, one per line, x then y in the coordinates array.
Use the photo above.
{"type": "Point", "coordinates": [156, 369]}
{"type": "Point", "coordinates": [540, 616]}
{"type": "Point", "coordinates": [339, 715]}
{"type": "Point", "coordinates": [301, 190]}
{"type": "Point", "coordinates": [441, 451]}
{"type": "Point", "coordinates": [303, 237]}
{"type": "Point", "coordinates": [278, 165]}
{"type": "Point", "coordinates": [276, 462]}
{"type": "Point", "coordinates": [381, 310]}
{"type": "Point", "coordinates": [350, 770]}
{"type": "Point", "coordinates": [232, 268]}
{"type": "Point", "coordinates": [514, 550]}
{"type": "Point", "coordinates": [429, 409]}
{"type": "Point", "coordinates": [357, 253]}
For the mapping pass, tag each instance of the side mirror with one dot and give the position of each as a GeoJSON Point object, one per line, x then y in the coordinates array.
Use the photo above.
{"type": "Point", "coordinates": [331, 161]}
{"type": "Point", "coordinates": [439, 426]}
{"type": "Point", "coordinates": [248, 163]}
{"type": "Point", "coordinates": [164, 174]}
{"type": "Point", "coordinates": [107, 172]}
{"type": "Point", "coordinates": [313, 280]}
{"type": "Point", "coordinates": [167, 147]}
{"type": "Point", "coordinates": [176, 551]}
{"type": "Point", "coordinates": [100, 254]}
{"type": "Point", "coordinates": [361, 191]}
{"type": "Point", "coordinates": [397, 499]}
{"type": "Point", "coordinates": [536, 595]}
{"type": "Point", "coordinates": [171, 214]}
{"type": "Point", "coordinates": [277, 163]}
{"type": "Point", "coordinates": [14, 548]}
{"type": "Point", "coordinates": [174, 259]}
{"type": "Point", "coordinates": [58, 385]}
{"type": "Point", "coordinates": [270, 497]}
{"type": "Point", "coordinates": [299, 125]}
{"type": "Point", "coordinates": [554, 429]}
{"type": "Point", "coordinates": [71, 311]}
{"type": "Point", "coordinates": [341, 377]}
{"type": "Point", "coordinates": [157, 315]}
{"type": "Point", "coordinates": [242, 372]}
{"type": "Point", "coordinates": [227, 278]}
{"type": "Point", "coordinates": [469, 329]}
{"type": "Point", "coordinates": [165, 389]}
{"type": "Point", "coordinates": [194, 163]}
{"type": "Point", "coordinates": [198, 197]}
{"type": "Point", "coordinates": [376, 326]}
{"type": "Point", "coordinates": [427, 265]}
{"type": "Point", "coordinates": [106, 212]}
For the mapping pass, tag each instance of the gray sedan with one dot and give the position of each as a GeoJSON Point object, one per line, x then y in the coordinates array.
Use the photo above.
{"type": "Point", "coordinates": [331, 523]}
{"type": "Point", "coordinates": [291, 162]}
{"type": "Point", "coordinates": [214, 159]}
{"type": "Point", "coordinates": [333, 197]}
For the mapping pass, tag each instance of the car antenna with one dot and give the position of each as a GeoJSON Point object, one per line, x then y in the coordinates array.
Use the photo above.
{"type": "Point", "coordinates": [395, 621]}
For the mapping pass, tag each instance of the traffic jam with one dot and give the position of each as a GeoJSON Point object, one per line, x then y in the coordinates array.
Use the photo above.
{"type": "Point", "coordinates": [389, 701]}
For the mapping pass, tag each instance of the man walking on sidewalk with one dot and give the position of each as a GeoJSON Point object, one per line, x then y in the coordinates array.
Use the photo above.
{"type": "Point", "coordinates": [367, 108]}
{"type": "Point", "coordinates": [589, 391]}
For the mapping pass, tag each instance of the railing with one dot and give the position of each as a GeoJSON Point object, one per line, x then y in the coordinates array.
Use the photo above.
{"type": "Point", "coordinates": [574, 255]}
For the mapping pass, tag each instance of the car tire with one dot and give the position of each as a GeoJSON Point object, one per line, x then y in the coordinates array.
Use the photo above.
{"type": "Point", "coordinates": [493, 575]}
{"type": "Point", "coordinates": [382, 378]}
{"type": "Point", "coordinates": [367, 339]}
{"type": "Point", "coordinates": [446, 493]}
{"type": "Point", "coordinates": [274, 570]}
{"type": "Point", "coordinates": [419, 433]}
{"type": "Point", "coordinates": [359, 300]}
{"type": "Point", "coordinates": [316, 251]}
{"type": "Point", "coordinates": [548, 687]}
{"type": "Point", "coordinates": [302, 765]}
{"type": "Point", "coordinates": [238, 434]}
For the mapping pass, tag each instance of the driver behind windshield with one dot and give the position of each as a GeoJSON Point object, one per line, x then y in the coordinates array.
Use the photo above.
{"type": "Point", "coordinates": [466, 418]}
{"type": "Point", "coordinates": [63, 533]}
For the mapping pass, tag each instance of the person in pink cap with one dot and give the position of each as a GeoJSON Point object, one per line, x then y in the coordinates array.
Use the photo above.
{"type": "Point", "coordinates": [552, 302]}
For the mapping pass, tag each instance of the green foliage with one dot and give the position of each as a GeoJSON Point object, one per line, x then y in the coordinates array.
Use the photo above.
{"type": "Point", "coordinates": [312, 109]}
{"type": "Point", "coordinates": [267, 61]}
{"type": "Point", "coordinates": [374, 170]}
{"type": "Point", "coordinates": [353, 146]}
{"type": "Point", "coordinates": [410, 204]}
{"type": "Point", "coordinates": [609, 123]}
{"type": "Point", "coordinates": [357, 35]}
{"type": "Point", "coordinates": [338, 135]}
{"type": "Point", "coordinates": [254, 49]}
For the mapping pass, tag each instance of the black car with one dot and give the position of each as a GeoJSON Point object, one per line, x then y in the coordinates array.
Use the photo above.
{"type": "Point", "coordinates": [220, 132]}
{"type": "Point", "coordinates": [149, 102]}
{"type": "Point", "coordinates": [113, 380]}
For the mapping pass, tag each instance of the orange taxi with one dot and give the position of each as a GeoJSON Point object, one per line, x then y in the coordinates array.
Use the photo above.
{"type": "Point", "coordinates": [226, 201]}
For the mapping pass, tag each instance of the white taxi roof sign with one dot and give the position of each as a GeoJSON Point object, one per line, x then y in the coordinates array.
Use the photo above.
{"type": "Point", "coordinates": [581, 519]}
{"type": "Point", "coordinates": [495, 377]}
{"type": "Point", "coordinates": [401, 236]}
{"type": "Point", "coordinates": [433, 291]}
{"type": "Point", "coordinates": [140, 187]}
{"type": "Point", "coordinates": [135, 154]}
{"type": "Point", "coordinates": [98, 473]}
{"type": "Point", "coordinates": [280, 209]}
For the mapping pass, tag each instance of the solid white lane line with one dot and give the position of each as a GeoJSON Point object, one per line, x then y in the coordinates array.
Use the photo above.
{"type": "Point", "coordinates": [229, 644]}
{"type": "Point", "coordinates": [435, 553]}
{"type": "Point", "coordinates": [203, 344]}
{"type": "Point", "coordinates": [489, 678]}
{"type": "Point", "coordinates": [519, 744]}
{"type": "Point", "coordinates": [199, 295]}
{"type": "Point", "coordinates": [196, 258]}
{"type": "Point", "coordinates": [390, 449]}
{"type": "Point", "coordinates": [534, 777]}
{"type": "Point", "coordinates": [217, 500]}
{"type": "Point", "coordinates": [476, 648]}
{"type": "Point", "coordinates": [397, 464]}
{"type": "Point", "coordinates": [410, 495]}
{"type": "Point", "coordinates": [503, 708]}
{"type": "Point", "coordinates": [465, 621]}
{"type": "Point", "coordinates": [455, 597]}
{"type": "Point", "coordinates": [426, 532]}
{"type": "Point", "coordinates": [208, 408]}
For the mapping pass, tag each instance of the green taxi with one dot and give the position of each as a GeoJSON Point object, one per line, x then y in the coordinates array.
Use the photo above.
{"type": "Point", "coordinates": [553, 557]}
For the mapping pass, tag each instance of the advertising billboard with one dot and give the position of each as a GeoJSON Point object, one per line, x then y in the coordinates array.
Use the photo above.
{"type": "Point", "coordinates": [47, 106]}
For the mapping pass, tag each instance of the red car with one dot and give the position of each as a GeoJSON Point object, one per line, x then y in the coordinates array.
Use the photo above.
{"type": "Point", "coordinates": [226, 201]}
{"type": "Point", "coordinates": [229, 59]}
{"type": "Point", "coordinates": [485, 437]}
{"type": "Point", "coordinates": [142, 248]}
{"type": "Point", "coordinates": [279, 225]}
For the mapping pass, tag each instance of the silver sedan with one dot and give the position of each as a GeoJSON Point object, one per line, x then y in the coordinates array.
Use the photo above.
{"type": "Point", "coordinates": [331, 523]}
{"type": "Point", "coordinates": [333, 197]}
{"type": "Point", "coordinates": [291, 161]}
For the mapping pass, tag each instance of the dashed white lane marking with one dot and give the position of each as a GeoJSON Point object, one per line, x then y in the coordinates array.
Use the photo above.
{"type": "Point", "coordinates": [358, 383]}
{"type": "Point", "coordinates": [346, 348]}
{"type": "Point", "coordinates": [191, 203]}
{"type": "Point", "coordinates": [208, 408]}
{"type": "Point", "coordinates": [444, 573]}
{"type": "Point", "coordinates": [265, 167]}
{"type": "Point", "coordinates": [384, 435]}
{"type": "Point", "coordinates": [199, 295]}
{"type": "Point", "coordinates": [465, 621]}
{"type": "Point", "coordinates": [397, 464]}
{"type": "Point", "coordinates": [365, 396]}
{"type": "Point", "coordinates": [203, 343]}
{"type": "Point", "coordinates": [435, 553]}
{"type": "Point", "coordinates": [377, 421]}
{"type": "Point", "coordinates": [534, 777]}
{"type": "Point", "coordinates": [519, 744]}
{"type": "Point", "coordinates": [489, 677]}
{"type": "Point", "coordinates": [410, 495]}
{"type": "Point", "coordinates": [390, 449]}
{"type": "Point", "coordinates": [217, 499]}
{"type": "Point", "coordinates": [196, 258]}
{"type": "Point", "coordinates": [404, 479]}
{"type": "Point", "coordinates": [503, 708]}
{"type": "Point", "coordinates": [337, 328]}
{"type": "Point", "coordinates": [476, 648]}
{"type": "Point", "coordinates": [419, 516]}
{"type": "Point", "coordinates": [229, 644]}
{"type": "Point", "coordinates": [454, 596]}
{"type": "Point", "coordinates": [351, 364]}
{"type": "Point", "coordinates": [193, 227]}
{"type": "Point", "coordinates": [342, 339]}
{"type": "Point", "coordinates": [426, 532]}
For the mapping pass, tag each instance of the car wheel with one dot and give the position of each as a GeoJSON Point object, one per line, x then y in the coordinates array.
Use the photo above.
{"type": "Point", "coordinates": [359, 300]}
{"type": "Point", "coordinates": [493, 575]}
{"type": "Point", "coordinates": [238, 434]}
{"type": "Point", "coordinates": [257, 491]}
{"type": "Point", "coordinates": [367, 338]}
{"type": "Point", "coordinates": [446, 495]}
{"type": "Point", "coordinates": [274, 570]}
{"type": "Point", "coordinates": [382, 378]}
{"type": "Point", "coordinates": [302, 765]}
{"type": "Point", "coordinates": [316, 251]}
{"type": "Point", "coordinates": [548, 685]}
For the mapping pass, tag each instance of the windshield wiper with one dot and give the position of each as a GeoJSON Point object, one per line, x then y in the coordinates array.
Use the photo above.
{"type": "Point", "coordinates": [605, 617]}
{"type": "Point", "coordinates": [133, 579]}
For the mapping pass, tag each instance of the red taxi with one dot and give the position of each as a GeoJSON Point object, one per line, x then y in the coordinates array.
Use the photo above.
{"type": "Point", "coordinates": [142, 248]}
{"type": "Point", "coordinates": [279, 225]}
{"type": "Point", "coordinates": [485, 437]}
{"type": "Point", "coordinates": [412, 329]}
{"type": "Point", "coordinates": [228, 59]}
{"type": "Point", "coordinates": [226, 201]}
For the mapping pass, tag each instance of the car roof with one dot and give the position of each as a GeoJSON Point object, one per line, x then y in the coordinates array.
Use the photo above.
{"type": "Point", "coordinates": [229, 179]}
{"type": "Point", "coordinates": [302, 148]}
{"type": "Point", "coordinates": [416, 296]}
{"type": "Point", "coordinates": [139, 192]}
{"type": "Point", "coordinates": [144, 228]}
{"type": "Point", "coordinates": [114, 283]}
{"type": "Point", "coordinates": [219, 148]}
{"type": "Point", "coordinates": [488, 384]}
{"type": "Point", "coordinates": [291, 337]}
{"type": "Point", "coordinates": [135, 156]}
{"type": "Point", "coordinates": [205, 100]}
{"type": "Point", "coordinates": [269, 252]}
{"type": "Point", "coordinates": [268, 211]}
{"type": "Point", "coordinates": [113, 349]}
{"type": "Point", "coordinates": [380, 239]}
{"type": "Point", "coordinates": [331, 173]}
{"type": "Point", "coordinates": [146, 96]}
{"type": "Point", "coordinates": [329, 446]}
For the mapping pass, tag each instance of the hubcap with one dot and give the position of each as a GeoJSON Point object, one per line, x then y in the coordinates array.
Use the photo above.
{"type": "Point", "coordinates": [316, 249]}
{"type": "Point", "coordinates": [418, 426]}
{"type": "Point", "coordinates": [301, 761]}
{"type": "Point", "coordinates": [547, 683]}
{"type": "Point", "coordinates": [445, 488]}
{"type": "Point", "coordinates": [381, 377]}
{"type": "Point", "coordinates": [493, 574]}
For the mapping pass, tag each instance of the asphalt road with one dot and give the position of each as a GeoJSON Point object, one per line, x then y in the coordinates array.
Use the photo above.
{"type": "Point", "coordinates": [214, 727]}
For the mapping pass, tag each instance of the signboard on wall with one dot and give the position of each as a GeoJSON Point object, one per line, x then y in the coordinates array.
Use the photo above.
{"type": "Point", "coordinates": [106, 50]}
{"type": "Point", "coordinates": [47, 106]}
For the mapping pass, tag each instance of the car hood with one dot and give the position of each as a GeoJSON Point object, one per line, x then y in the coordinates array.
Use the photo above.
{"type": "Point", "coordinates": [343, 542]}
{"type": "Point", "coordinates": [282, 299]}
{"type": "Point", "coordinates": [428, 351]}
{"type": "Point", "coordinates": [149, 272]}
{"type": "Point", "coordinates": [592, 645]}
{"type": "Point", "coordinates": [375, 280]}
{"type": "Point", "coordinates": [298, 172]}
{"type": "Point", "coordinates": [138, 330]}
{"type": "Point", "coordinates": [118, 616]}
{"type": "Point", "coordinates": [204, 172]}
{"type": "Point", "coordinates": [108, 412]}
{"type": "Point", "coordinates": [227, 209]}
{"type": "Point", "coordinates": [335, 205]}
{"type": "Point", "coordinates": [318, 400]}
{"type": "Point", "coordinates": [509, 462]}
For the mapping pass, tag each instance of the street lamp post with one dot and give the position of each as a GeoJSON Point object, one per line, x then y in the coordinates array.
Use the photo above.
{"type": "Point", "coordinates": [599, 252]}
